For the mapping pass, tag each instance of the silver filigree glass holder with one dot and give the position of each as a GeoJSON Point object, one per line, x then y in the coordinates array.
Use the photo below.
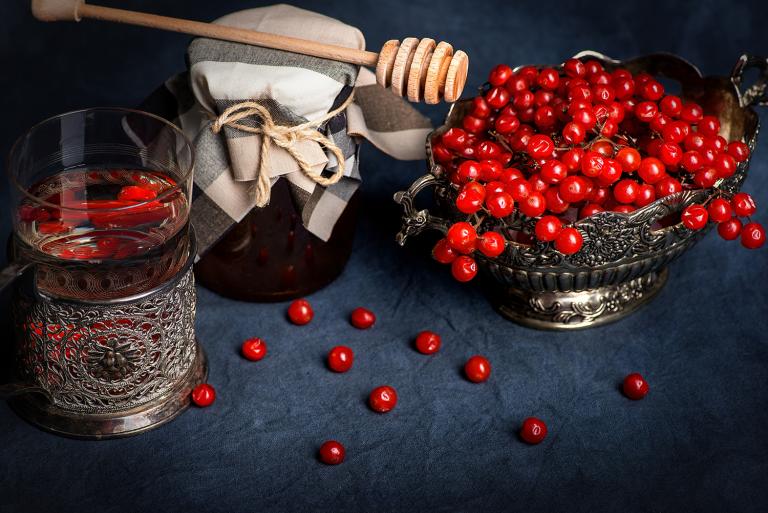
{"type": "Point", "coordinates": [109, 368]}
{"type": "Point", "coordinates": [623, 262]}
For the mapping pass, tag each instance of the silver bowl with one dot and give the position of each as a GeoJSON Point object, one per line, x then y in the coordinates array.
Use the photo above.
{"type": "Point", "coordinates": [623, 262]}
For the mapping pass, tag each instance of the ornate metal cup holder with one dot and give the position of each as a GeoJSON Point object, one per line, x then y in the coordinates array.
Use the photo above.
{"type": "Point", "coordinates": [111, 368]}
{"type": "Point", "coordinates": [622, 264]}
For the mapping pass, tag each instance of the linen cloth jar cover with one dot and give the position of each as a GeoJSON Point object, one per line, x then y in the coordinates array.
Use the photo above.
{"type": "Point", "coordinates": [295, 90]}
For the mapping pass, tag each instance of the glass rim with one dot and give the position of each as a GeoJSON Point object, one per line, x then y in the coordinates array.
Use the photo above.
{"type": "Point", "coordinates": [185, 175]}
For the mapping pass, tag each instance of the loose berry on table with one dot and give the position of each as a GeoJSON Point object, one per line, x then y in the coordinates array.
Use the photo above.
{"type": "Point", "coordinates": [382, 399]}
{"type": "Point", "coordinates": [300, 312]}
{"type": "Point", "coordinates": [254, 349]}
{"type": "Point", "coordinates": [332, 453]}
{"type": "Point", "coordinates": [340, 359]}
{"type": "Point", "coordinates": [362, 318]}
{"type": "Point", "coordinates": [635, 386]}
{"type": "Point", "coordinates": [428, 342]}
{"type": "Point", "coordinates": [203, 395]}
{"type": "Point", "coordinates": [477, 369]}
{"type": "Point", "coordinates": [533, 430]}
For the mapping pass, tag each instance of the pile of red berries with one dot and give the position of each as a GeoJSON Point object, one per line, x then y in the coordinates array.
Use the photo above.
{"type": "Point", "coordinates": [557, 145]}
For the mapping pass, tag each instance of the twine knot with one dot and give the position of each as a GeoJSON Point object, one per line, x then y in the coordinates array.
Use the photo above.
{"type": "Point", "coordinates": [286, 138]}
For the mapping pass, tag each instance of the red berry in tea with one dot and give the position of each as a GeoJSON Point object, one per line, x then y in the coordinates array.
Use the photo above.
{"type": "Point", "coordinates": [136, 193]}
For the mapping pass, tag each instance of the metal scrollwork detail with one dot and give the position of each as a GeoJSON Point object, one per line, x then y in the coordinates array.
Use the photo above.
{"type": "Point", "coordinates": [606, 238]}
{"type": "Point", "coordinates": [586, 308]}
{"type": "Point", "coordinates": [102, 358]}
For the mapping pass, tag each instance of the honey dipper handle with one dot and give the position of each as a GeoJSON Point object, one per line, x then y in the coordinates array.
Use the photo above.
{"type": "Point", "coordinates": [422, 70]}
{"type": "Point", "coordinates": [74, 10]}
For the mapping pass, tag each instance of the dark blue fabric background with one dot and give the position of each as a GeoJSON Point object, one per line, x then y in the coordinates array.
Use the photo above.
{"type": "Point", "coordinates": [698, 442]}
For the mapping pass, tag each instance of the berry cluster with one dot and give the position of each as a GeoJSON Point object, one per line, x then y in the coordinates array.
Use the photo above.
{"type": "Point", "coordinates": [558, 145]}
{"type": "Point", "coordinates": [726, 214]}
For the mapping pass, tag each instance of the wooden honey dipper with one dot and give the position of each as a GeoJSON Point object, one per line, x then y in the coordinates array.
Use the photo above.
{"type": "Point", "coordinates": [421, 70]}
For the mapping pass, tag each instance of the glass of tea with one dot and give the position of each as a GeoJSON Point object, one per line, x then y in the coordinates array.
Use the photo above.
{"type": "Point", "coordinates": [100, 203]}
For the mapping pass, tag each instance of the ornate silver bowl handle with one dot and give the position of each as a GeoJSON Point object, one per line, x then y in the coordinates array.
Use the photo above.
{"type": "Point", "coordinates": [416, 221]}
{"type": "Point", "coordinates": [757, 93]}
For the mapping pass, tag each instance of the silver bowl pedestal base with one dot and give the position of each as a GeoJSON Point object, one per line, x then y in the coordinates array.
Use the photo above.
{"type": "Point", "coordinates": [577, 310]}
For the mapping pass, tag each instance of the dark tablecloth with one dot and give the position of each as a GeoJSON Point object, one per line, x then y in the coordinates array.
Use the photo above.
{"type": "Point", "coordinates": [698, 442]}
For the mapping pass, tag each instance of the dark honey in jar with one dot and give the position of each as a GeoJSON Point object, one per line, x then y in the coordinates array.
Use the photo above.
{"type": "Point", "coordinates": [271, 256]}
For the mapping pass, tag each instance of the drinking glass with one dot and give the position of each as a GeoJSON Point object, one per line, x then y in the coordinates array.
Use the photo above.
{"type": "Point", "coordinates": [100, 202]}
{"type": "Point", "coordinates": [104, 311]}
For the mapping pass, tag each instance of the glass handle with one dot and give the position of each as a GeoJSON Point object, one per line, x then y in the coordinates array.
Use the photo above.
{"type": "Point", "coordinates": [12, 271]}
{"type": "Point", "coordinates": [10, 390]}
